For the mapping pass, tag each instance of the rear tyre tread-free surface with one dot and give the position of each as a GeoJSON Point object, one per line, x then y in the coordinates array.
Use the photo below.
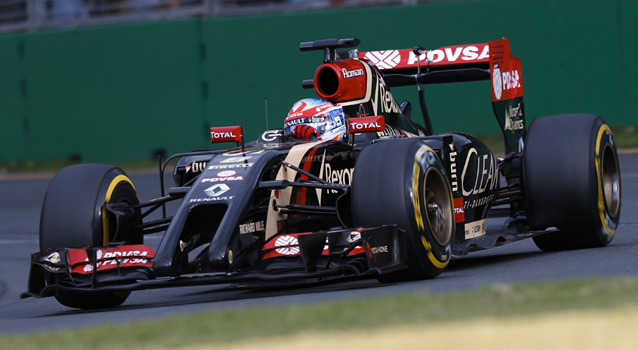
{"type": "Point", "coordinates": [572, 181]}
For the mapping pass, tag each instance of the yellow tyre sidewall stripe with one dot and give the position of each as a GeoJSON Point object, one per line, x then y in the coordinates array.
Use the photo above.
{"type": "Point", "coordinates": [601, 200]}
{"type": "Point", "coordinates": [107, 199]}
{"type": "Point", "coordinates": [416, 201]}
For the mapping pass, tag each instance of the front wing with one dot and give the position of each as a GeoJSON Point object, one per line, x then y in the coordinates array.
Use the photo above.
{"type": "Point", "coordinates": [322, 256]}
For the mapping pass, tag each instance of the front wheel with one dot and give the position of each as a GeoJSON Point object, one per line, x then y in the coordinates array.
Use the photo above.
{"type": "Point", "coordinates": [403, 182]}
{"type": "Point", "coordinates": [572, 181]}
{"type": "Point", "coordinates": [74, 215]}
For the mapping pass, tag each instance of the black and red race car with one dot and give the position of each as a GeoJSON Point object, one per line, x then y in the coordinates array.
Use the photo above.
{"type": "Point", "coordinates": [384, 197]}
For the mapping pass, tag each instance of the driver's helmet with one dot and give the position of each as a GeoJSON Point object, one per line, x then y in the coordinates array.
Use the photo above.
{"type": "Point", "coordinates": [315, 119]}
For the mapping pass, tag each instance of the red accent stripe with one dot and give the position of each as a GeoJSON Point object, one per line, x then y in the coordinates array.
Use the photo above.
{"type": "Point", "coordinates": [301, 192]}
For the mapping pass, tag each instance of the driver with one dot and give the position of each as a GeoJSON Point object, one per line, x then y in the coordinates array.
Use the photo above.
{"type": "Point", "coordinates": [313, 119]}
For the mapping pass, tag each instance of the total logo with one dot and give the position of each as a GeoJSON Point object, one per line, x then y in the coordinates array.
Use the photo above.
{"type": "Point", "coordinates": [354, 125]}
{"type": "Point", "coordinates": [216, 190]}
{"type": "Point", "coordinates": [222, 135]}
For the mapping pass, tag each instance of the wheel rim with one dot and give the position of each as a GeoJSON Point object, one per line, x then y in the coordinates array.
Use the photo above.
{"type": "Point", "coordinates": [439, 206]}
{"type": "Point", "coordinates": [610, 181]}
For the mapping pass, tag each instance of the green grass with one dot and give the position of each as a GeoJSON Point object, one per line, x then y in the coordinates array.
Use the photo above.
{"type": "Point", "coordinates": [498, 301]}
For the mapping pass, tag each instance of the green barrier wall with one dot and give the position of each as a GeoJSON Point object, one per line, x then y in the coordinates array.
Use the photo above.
{"type": "Point", "coordinates": [123, 92]}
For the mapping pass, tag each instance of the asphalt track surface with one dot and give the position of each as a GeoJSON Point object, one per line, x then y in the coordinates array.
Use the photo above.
{"type": "Point", "coordinates": [20, 202]}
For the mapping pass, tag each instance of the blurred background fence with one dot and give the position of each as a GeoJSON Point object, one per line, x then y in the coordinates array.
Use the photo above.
{"type": "Point", "coordinates": [20, 15]}
{"type": "Point", "coordinates": [114, 83]}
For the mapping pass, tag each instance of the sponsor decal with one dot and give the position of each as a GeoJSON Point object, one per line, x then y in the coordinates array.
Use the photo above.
{"type": "Point", "coordinates": [304, 120]}
{"type": "Point", "coordinates": [351, 73]}
{"type": "Point", "coordinates": [353, 237]}
{"type": "Point", "coordinates": [230, 166]}
{"type": "Point", "coordinates": [211, 199]}
{"type": "Point", "coordinates": [287, 245]}
{"type": "Point", "coordinates": [226, 134]}
{"type": "Point", "coordinates": [383, 102]}
{"type": "Point", "coordinates": [502, 81]}
{"type": "Point", "coordinates": [406, 58]}
{"type": "Point", "coordinates": [251, 227]}
{"type": "Point", "coordinates": [366, 124]}
{"type": "Point", "coordinates": [239, 153]}
{"type": "Point", "coordinates": [110, 258]}
{"type": "Point", "coordinates": [379, 249]}
{"type": "Point", "coordinates": [459, 210]}
{"type": "Point", "coordinates": [222, 179]}
{"type": "Point", "coordinates": [389, 132]}
{"type": "Point", "coordinates": [486, 177]}
{"type": "Point", "coordinates": [451, 55]}
{"type": "Point", "coordinates": [271, 135]}
{"type": "Point", "coordinates": [513, 117]}
{"type": "Point", "coordinates": [386, 59]}
{"type": "Point", "coordinates": [53, 258]}
{"type": "Point", "coordinates": [453, 173]}
{"type": "Point", "coordinates": [475, 229]}
{"type": "Point", "coordinates": [196, 167]}
{"type": "Point", "coordinates": [337, 176]}
{"type": "Point", "coordinates": [216, 190]}
{"type": "Point", "coordinates": [226, 173]}
{"type": "Point", "coordinates": [236, 159]}
{"type": "Point", "coordinates": [496, 82]}
{"type": "Point", "coordinates": [475, 203]}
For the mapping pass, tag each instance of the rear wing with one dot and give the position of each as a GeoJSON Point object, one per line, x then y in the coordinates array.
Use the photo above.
{"type": "Point", "coordinates": [463, 63]}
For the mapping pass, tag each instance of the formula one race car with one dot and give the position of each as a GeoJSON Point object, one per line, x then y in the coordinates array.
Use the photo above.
{"type": "Point", "coordinates": [351, 187]}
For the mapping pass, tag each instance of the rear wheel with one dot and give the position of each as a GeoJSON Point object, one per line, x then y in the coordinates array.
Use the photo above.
{"type": "Point", "coordinates": [74, 216]}
{"type": "Point", "coordinates": [572, 181]}
{"type": "Point", "coordinates": [403, 182]}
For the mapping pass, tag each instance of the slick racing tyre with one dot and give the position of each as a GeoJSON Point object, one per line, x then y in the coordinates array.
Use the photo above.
{"type": "Point", "coordinates": [74, 216]}
{"type": "Point", "coordinates": [403, 182]}
{"type": "Point", "coordinates": [572, 181]}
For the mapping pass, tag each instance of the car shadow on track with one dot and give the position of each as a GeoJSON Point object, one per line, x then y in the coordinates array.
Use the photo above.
{"type": "Point", "coordinates": [226, 293]}
{"type": "Point", "coordinates": [470, 261]}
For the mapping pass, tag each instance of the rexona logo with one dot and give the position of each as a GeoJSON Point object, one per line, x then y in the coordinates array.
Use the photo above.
{"type": "Point", "coordinates": [337, 176]}
{"type": "Point", "coordinates": [351, 73]}
{"type": "Point", "coordinates": [383, 101]}
{"type": "Point", "coordinates": [366, 124]}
